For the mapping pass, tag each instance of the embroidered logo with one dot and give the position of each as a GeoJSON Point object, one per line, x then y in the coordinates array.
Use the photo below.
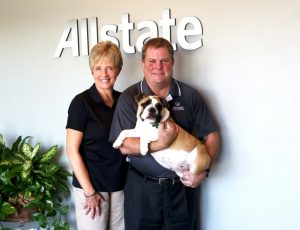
{"type": "Point", "coordinates": [177, 106]}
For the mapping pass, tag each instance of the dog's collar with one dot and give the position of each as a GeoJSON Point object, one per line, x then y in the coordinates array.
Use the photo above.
{"type": "Point", "coordinates": [155, 124]}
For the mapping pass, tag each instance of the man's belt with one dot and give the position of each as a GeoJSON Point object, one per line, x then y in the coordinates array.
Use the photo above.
{"type": "Point", "coordinates": [159, 180]}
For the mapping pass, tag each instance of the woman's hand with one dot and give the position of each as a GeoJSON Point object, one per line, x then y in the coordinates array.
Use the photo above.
{"type": "Point", "coordinates": [93, 204]}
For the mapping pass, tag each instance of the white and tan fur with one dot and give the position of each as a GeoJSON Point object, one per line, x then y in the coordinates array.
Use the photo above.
{"type": "Point", "coordinates": [186, 152]}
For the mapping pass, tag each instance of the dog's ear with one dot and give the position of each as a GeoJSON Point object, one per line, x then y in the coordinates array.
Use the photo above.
{"type": "Point", "coordinates": [139, 97]}
{"type": "Point", "coordinates": [164, 102]}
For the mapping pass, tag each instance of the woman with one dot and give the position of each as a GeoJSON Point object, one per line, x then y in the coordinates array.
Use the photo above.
{"type": "Point", "coordinates": [98, 169]}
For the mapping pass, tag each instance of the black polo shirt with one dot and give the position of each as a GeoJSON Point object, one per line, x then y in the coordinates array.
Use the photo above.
{"type": "Point", "coordinates": [187, 108]}
{"type": "Point", "coordinates": [106, 166]}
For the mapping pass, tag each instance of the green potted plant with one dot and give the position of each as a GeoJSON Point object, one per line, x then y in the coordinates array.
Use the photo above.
{"type": "Point", "coordinates": [32, 185]}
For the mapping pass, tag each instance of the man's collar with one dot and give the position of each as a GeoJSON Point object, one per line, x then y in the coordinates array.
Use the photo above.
{"type": "Point", "coordinates": [175, 90]}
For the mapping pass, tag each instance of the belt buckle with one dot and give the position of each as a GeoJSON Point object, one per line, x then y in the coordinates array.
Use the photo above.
{"type": "Point", "coordinates": [166, 181]}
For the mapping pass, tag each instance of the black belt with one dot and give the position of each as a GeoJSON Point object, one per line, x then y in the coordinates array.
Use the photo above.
{"type": "Point", "coordinates": [159, 180]}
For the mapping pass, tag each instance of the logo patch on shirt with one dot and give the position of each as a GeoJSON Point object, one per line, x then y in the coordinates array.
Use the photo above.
{"type": "Point", "coordinates": [177, 107]}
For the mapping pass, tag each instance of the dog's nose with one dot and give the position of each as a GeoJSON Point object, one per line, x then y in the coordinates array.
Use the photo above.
{"type": "Point", "coordinates": [152, 110]}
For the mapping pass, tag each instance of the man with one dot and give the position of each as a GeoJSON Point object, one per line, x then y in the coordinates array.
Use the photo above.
{"type": "Point", "coordinates": [151, 203]}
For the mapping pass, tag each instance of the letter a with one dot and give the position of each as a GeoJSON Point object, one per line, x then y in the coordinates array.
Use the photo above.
{"type": "Point", "coordinates": [71, 27]}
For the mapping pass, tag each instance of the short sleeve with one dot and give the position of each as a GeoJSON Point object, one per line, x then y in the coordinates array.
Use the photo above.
{"type": "Point", "coordinates": [77, 114]}
{"type": "Point", "coordinates": [124, 116]}
{"type": "Point", "coordinates": [203, 119]}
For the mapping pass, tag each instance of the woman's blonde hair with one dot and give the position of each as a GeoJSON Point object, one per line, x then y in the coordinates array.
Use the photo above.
{"type": "Point", "coordinates": [106, 50]}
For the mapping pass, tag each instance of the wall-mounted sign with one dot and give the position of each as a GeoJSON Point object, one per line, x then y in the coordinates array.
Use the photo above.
{"type": "Point", "coordinates": [188, 33]}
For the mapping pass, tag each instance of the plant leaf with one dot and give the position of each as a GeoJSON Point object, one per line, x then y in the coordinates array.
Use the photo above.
{"type": "Point", "coordinates": [1, 140]}
{"type": "Point", "coordinates": [6, 208]}
{"type": "Point", "coordinates": [15, 146]}
{"type": "Point", "coordinates": [27, 194]}
{"type": "Point", "coordinates": [26, 149]}
{"type": "Point", "coordinates": [35, 150]}
{"type": "Point", "coordinates": [64, 210]}
{"type": "Point", "coordinates": [27, 167]}
{"type": "Point", "coordinates": [49, 154]}
{"type": "Point", "coordinates": [49, 169]}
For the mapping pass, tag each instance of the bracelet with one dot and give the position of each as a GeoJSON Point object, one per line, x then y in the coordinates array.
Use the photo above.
{"type": "Point", "coordinates": [87, 196]}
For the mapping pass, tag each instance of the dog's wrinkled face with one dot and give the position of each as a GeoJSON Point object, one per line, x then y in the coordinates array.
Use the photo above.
{"type": "Point", "coordinates": [152, 109]}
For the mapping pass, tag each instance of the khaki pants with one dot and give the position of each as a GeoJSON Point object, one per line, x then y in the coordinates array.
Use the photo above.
{"type": "Point", "coordinates": [112, 212]}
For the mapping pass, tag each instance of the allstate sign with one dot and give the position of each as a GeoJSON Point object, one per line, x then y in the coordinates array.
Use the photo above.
{"type": "Point", "coordinates": [188, 32]}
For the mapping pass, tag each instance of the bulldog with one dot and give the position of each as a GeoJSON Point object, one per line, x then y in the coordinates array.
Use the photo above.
{"type": "Point", "coordinates": [186, 152]}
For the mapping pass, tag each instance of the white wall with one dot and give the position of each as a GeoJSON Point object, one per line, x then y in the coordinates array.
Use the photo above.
{"type": "Point", "coordinates": [248, 70]}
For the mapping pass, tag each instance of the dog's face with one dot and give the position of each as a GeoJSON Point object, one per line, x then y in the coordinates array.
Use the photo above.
{"type": "Point", "coordinates": [152, 109]}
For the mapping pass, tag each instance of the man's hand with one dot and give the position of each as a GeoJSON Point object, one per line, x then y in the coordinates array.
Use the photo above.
{"type": "Point", "coordinates": [191, 180]}
{"type": "Point", "coordinates": [167, 132]}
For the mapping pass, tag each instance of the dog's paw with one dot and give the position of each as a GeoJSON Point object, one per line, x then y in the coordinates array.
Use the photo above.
{"type": "Point", "coordinates": [117, 143]}
{"type": "Point", "coordinates": [144, 153]}
{"type": "Point", "coordinates": [180, 174]}
{"type": "Point", "coordinates": [144, 150]}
